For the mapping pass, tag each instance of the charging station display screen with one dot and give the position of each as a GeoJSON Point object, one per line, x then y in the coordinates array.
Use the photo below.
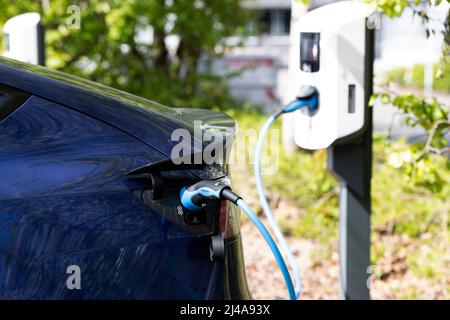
{"type": "Point", "coordinates": [309, 51]}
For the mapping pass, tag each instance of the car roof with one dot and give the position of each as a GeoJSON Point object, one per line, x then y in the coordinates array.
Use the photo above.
{"type": "Point", "coordinates": [146, 120]}
{"type": "Point", "coordinates": [11, 69]}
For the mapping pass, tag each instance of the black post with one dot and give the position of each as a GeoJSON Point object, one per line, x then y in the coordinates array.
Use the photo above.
{"type": "Point", "coordinates": [351, 163]}
{"type": "Point", "coordinates": [41, 44]}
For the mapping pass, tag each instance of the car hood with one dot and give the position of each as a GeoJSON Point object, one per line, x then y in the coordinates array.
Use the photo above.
{"type": "Point", "coordinates": [148, 121]}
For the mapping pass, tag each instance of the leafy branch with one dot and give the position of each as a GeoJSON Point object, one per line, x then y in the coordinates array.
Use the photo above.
{"type": "Point", "coordinates": [434, 118]}
{"type": "Point", "coordinates": [428, 147]}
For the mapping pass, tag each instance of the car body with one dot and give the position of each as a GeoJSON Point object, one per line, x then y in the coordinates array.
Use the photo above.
{"type": "Point", "coordinates": [69, 209]}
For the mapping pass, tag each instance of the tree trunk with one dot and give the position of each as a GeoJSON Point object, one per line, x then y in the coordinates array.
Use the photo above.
{"type": "Point", "coordinates": [161, 54]}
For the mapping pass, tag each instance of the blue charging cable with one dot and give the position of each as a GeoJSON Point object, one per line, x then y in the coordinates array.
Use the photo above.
{"type": "Point", "coordinates": [272, 245]}
{"type": "Point", "coordinates": [268, 212]}
{"type": "Point", "coordinates": [194, 197]}
{"type": "Point", "coordinates": [311, 103]}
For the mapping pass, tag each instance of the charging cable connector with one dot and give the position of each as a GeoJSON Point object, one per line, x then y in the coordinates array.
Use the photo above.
{"type": "Point", "coordinates": [196, 196]}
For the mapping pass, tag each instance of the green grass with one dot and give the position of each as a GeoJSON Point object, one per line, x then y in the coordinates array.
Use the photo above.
{"type": "Point", "coordinates": [399, 207]}
{"type": "Point", "coordinates": [414, 76]}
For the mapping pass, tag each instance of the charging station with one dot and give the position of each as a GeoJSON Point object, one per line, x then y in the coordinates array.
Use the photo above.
{"type": "Point", "coordinates": [330, 71]}
{"type": "Point", "coordinates": [25, 38]}
{"type": "Point", "coordinates": [332, 52]}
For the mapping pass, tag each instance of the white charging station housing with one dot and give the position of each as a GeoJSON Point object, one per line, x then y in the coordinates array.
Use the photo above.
{"type": "Point", "coordinates": [24, 38]}
{"type": "Point", "coordinates": [328, 52]}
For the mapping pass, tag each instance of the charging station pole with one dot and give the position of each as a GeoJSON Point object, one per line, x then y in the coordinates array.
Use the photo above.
{"type": "Point", "coordinates": [351, 163]}
{"type": "Point", "coordinates": [332, 50]}
{"type": "Point", "coordinates": [25, 38]}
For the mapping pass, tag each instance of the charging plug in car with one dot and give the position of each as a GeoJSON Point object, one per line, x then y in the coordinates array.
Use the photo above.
{"type": "Point", "coordinates": [196, 196]}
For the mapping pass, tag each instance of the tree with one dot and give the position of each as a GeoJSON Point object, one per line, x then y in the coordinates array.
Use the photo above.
{"type": "Point", "coordinates": [431, 115]}
{"type": "Point", "coordinates": [110, 46]}
{"type": "Point", "coordinates": [428, 114]}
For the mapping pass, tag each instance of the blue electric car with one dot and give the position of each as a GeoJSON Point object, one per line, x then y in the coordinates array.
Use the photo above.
{"type": "Point", "coordinates": [89, 195]}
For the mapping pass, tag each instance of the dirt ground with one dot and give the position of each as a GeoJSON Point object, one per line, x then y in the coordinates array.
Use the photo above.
{"type": "Point", "coordinates": [320, 275]}
{"type": "Point", "coordinates": [265, 279]}
{"type": "Point", "coordinates": [319, 262]}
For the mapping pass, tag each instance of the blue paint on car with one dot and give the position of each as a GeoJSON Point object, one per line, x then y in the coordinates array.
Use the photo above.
{"type": "Point", "coordinates": [65, 199]}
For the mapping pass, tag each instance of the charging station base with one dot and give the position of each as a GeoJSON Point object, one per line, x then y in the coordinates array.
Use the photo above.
{"type": "Point", "coordinates": [351, 164]}
{"type": "Point", "coordinates": [352, 168]}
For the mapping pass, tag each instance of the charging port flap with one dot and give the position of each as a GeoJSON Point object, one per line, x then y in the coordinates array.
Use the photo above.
{"type": "Point", "coordinates": [161, 183]}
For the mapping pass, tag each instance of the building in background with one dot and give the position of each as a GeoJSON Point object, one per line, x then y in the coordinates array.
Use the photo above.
{"type": "Point", "coordinates": [263, 57]}
{"type": "Point", "coordinates": [262, 60]}
{"type": "Point", "coordinates": [402, 42]}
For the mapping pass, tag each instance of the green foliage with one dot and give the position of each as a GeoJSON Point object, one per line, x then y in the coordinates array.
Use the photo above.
{"type": "Point", "coordinates": [303, 179]}
{"type": "Point", "coordinates": [434, 119]}
{"type": "Point", "coordinates": [402, 205]}
{"type": "Point", "coordinates": [392, 8]}
{"type": "Point", "coordinates": [442, 75]}
{"type": "Point", "coordinates": [410, 182]}
{"type": "Point", "coordinates": [305, 2]}
{"type": "Point", "coordinates": [414, 77]}
{"type": "Point", "coordinates": [108, 48]}
{"type": "Point", "coordinates": [396, 75]}
{"type": "Point", "coordinates": [424, 172]}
